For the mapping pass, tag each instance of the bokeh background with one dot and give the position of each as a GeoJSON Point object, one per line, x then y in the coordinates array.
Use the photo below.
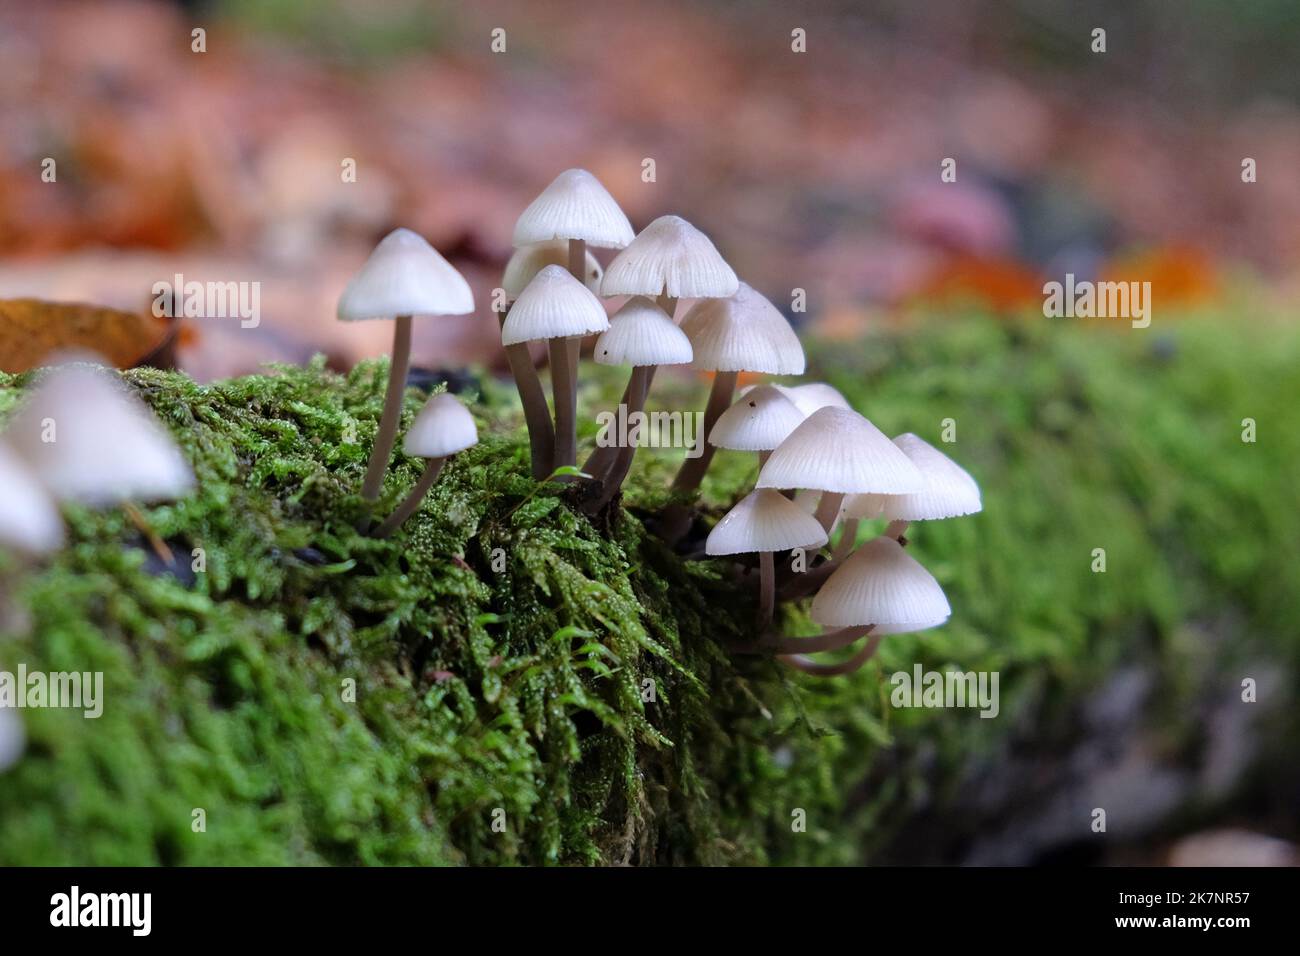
{"type": "Point", "coordinates": [817, 171]}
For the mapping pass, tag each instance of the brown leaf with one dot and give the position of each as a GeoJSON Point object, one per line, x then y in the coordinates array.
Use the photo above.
{"type": "Point", "coordinates": [32, 329]}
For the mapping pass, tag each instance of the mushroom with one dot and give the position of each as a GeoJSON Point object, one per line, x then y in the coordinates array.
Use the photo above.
{"type": "Point", "coordinates": [576, 208]}
{"type": "Point", "coordinates": [520, 270]}
{"type": "Point", "coordinates": [948, 491]}
{"type": "Point", "coordinates": [443, 427]}
{"type": "Point", "coordinates": [741, 333]}
{"type": "Point", "coordinates": [29, 520]}
{"type": "Point", "coordinates": [763, 522]}
{"type": "Point", "coordinates": [838, 452]}
{"type": "Point", "coordinates": [640, 335]}
{"type": "Point", "coordinates": [404, 277]}
{"type": "Point", "coordinates": [813, 396]}
{"type": "Point", "coordinates": [760, 420]}
{"type": "Point", "coordinates": [556, 308]}
{"type": "Point", "coordinates": [669, 260]}
{"type": "Point", "coordinates": [87, 439]}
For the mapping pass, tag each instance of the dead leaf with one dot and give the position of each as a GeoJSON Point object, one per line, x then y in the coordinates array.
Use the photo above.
{"type": "Point", "coordinates": [31, 329]}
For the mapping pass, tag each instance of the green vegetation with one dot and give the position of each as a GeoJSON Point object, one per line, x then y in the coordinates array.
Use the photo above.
{"type": "Point", "coordinates": [521, 690]}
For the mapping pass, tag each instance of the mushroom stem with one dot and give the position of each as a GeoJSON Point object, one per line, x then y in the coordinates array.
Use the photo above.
{"type": "Point", "coordinates": [638, 386]}
{"type": "Point", "coordinates": [826, 641]}
{"type": "Point", "coordinates": [763, 456]}
{"type": "Point", "coordinates": [392, 413]}
{"type": "Point", "coordinates": [895, 530]}
{"type": "Point", "coordinates": [828, 509]}
{"type": "Point", "coordinates": [809, 666]}
{"type": "Point", "coordinates": [578, 259]}
{"type": "Point", "coordinates": [541, 434]}
{"type": "Point", "coordinates": [564, 391]}
{"type": "Point", "coordinates": [848, 538]}
{"type": "Point", "coordinates": [158, 545]}
{"type": "Point", "coordinates": [412, 501]}
{"type": "Point", "coordinates": [693, 469]}
{"type": "Point", "coordinates": [668, 303]}
{"type": "Point", "coordinates": [766, 589]}
{"type": "Point", "coordinates": [808, 581]}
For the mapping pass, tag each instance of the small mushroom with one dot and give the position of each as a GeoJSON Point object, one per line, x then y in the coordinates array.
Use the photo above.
{"type": "Point", "coordinates": [813, 396]}
{"type": "Point", "coordinates": [879, 590]}
{"type": "Point", "coordinates": [527, 261]}
{"type": "Point", "coordinates": [838, 452]}
{"type": "Point", "coordinates": [29, 520]}
{"type": "Point", "coordinates": [764, 522]}
{"type": "Point", "coordinates": [556, 308]}
{"type": "Point", "coordinates": [442, 428]}
{"type": "Point", "coordinates": [642, 336]}
{"type": "Point", "coordinates": [761, 419]}
{"type": "Point", "coordinates": [669, 260]}
{"type": "Point", "coordinates": [404, 277]}
{"type": "Point", "coordinates": [741, 333]}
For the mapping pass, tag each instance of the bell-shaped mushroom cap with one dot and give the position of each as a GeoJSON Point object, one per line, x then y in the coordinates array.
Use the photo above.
{"type": "Point", "coordinates": [554, 305]}
{"type": "Point", "coordinates": [670, 256]}
{"type": "Point", "coordinates": [742, 333]}
{"type": "Point", "coordinates": [948, 491]}
{"type": "Point", "coordinates": [837, 450]}
{"type": "Point", "coordinates": [443, 427]}
{"type": "Point", "coordinates": [574, 206]}
{"type": "Point", "coordinates": [815, 395]}
{"type": "Point", "coordinates": [29, 521]}
{"type": "Point", "coordinates": [759, 421]}
{"type": "Point", "coordinates": [764, 520]}
{"type": "Point", "coordinates": [640, 333]}
{"type": "Point", "coordinates": [86, 438]}
{"type": "Point", "coordinates": [527, 261]}
{"type": "Point", "coordinates": [881, 584]}
{"type": "Point", "coordinates": [405, 276]}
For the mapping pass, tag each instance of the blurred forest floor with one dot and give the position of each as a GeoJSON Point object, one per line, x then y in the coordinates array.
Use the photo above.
{"type": "Point", "coordinates": [817, 171]}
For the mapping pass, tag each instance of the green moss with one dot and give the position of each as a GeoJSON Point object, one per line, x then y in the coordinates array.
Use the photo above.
{"type": "Point", "coordinates": [518, 695]}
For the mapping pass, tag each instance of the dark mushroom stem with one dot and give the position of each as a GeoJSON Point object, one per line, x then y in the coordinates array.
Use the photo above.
{"type": "Point", "coordinates": [638, 386]}
{"type": "Point", "coordinates": [412, 501]}
{"type": "Point", "coordinates": [577, 269]}
{"type": "Point", "coordinates": [766, 589]}
{"type": "Point", "coordinates": [564, 392]}
{"type": "Point", "coordinates": [541, 434]}
{"type": "Point", "coordinates": [387, 435]}
{"type": "Point", "coordinates": [809, 666]}
{"type": "Point", "coordinates": [828, 509]}
{"type": "Point", "coordinates": [692, 471]}
{"type": "Point", "coordinates": [668, 303]}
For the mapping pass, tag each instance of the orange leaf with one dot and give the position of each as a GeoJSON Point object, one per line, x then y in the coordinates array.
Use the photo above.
{"type": "Point", "coordinates": [31, 329]}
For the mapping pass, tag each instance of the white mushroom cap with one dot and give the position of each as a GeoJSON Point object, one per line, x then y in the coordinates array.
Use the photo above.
{"type": "Point", "coordinates": [554, 305]}
{"type": "Point", "coordinates": [640, 333]}
{"type": "Point", "coordinates": [837, 450]}
{"type": "Point", "coordinates": [742, 333]}
{"type": "Point", "coordinates": [443, 427]}
{"type": "Point", "coordinates": [814, 395]}
{"type": "Point", "coordinates": [574, 206]}
{"type": "Point", "coordinates": [527, 261]}
{"type": "Point", "coordinates": [759, 421]}
{"type": "Point", "coordinates": [405, 276]}
{"type": "Point", "coordinates": [670, 256]}
{"type": "Point", "coordinates": [881, 584]}
{"type": "Point", "coordinates": [29, 520]}
{"type": "Point", "coordinates": [949, 490]}
{"type": "Point", "coordinates": [862, 506]}
{"type": "Point", "coordinates": [107, 445]}
{"type": "Point", "coordinates": [764, 521]}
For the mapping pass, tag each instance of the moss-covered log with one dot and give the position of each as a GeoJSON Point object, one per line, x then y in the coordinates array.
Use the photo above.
{"type": "Point", "coordinates": [506, 680]}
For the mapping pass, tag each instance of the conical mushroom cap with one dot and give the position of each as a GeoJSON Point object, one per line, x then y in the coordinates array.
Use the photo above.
{"type": "Point", "coordinates": [554, 305]}
{"type": "Point", "coordinates": [759, 421]}
{"type": "Point", "coordinates": [815, 395]}
{"type": "Point", "coordinates": [107, 445]}
{"type": "Point", "coordinates": [837, 450]}
{"type": "Point", "coordinates": [640, 333]}
{"type": "Point", "coordinates": [881, 584]}
{"type": "Point", "coordinates": [948, 491]}
{"type": "Point", "coordinates": [742, 333]}
{"type": "Point", "coordinates": [443, 427]}
{"type": "Point", "coordinates": [574, 206]}
{"type": "Point", "coordinates": [527, 261]}
{"type": "Point", "coordinates": [405, 276]}
{"type": "Point", "coordinates": [29, 520]}
{"type": "Point", "coordinates": [670, 256]}
{"type": "Point", "coordinates": [764, 521]}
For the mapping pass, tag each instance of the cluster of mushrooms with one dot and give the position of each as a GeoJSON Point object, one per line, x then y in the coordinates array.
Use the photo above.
{"type": "Point", "coordinates": [823, 468]}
